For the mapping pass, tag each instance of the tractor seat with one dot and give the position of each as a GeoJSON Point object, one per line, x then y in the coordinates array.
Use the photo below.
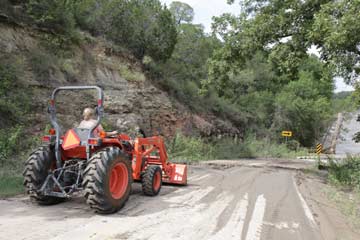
{"type": "Point", "coordinates": [83, 133]}
{"type": "Point", "coordinates": [76, 137]}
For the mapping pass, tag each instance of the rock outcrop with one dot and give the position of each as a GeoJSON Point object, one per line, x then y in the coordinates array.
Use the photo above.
{"type": "Point", "coordinates": [130, 98]}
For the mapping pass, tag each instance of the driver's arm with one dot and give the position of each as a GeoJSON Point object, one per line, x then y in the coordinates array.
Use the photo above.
{"type": "Point", "coordinates": [108, 134]}
{"type": "Point", "coordinates": [113, 133]}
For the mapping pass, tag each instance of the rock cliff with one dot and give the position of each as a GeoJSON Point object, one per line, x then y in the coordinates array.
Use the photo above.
{"type": "Point", "coordinates": [131, 99]}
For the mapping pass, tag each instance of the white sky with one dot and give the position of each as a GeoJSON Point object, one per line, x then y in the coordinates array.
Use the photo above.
{"type": "Point", "coordinates": [206, 9]}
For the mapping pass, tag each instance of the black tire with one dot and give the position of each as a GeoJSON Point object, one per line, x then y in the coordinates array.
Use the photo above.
{"type": "Point", "coordinates": [96, 180]}
{"type": "Point", "coordinates": [148, 180]}
{"type": "Point", "coordinates": [36, 170]}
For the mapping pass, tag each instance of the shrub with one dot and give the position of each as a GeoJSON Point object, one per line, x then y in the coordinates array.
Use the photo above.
{"type": "Point", "coordinates": [10, 184]}
{"type": "Point", "coordinates": [13, 103]}
{"type": "Point", "coordinates": [346, 172]}
{"type": "Point", "coordinates": [131, 75]}
{"type": "Point", "coordinates": [55, 15]}
{"type": "Point", "coordinates": [42, 64]}
{"type": "Point", "coordinates": [143, 26]}
{"type": "Point", "coordinates": [189, 149]}
{"type": "Point", "coordinates": [9, 139]}
{"type": "Point", "coordinates": [229, 149]}
{"type": "Point", "coordinates": [195, 149]}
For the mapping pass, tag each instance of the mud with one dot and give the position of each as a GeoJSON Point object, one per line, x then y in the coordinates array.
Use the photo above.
{"type": "Point", "coordinates": [226, 201]}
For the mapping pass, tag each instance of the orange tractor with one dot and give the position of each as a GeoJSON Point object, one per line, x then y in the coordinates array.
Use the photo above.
{"type": "Point", "coordinates": [102, 167]}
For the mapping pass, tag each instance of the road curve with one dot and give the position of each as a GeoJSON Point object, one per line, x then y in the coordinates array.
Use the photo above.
{"type": "Point", "coordinates": [232, 202]}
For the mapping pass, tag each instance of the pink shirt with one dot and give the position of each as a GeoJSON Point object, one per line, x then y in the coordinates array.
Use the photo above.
{"type": "Point", "coordinates": [91, 123]}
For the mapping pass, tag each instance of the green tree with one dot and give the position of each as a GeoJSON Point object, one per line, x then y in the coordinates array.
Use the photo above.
{"type": "Point", "coordinates": [264, 68]}
{"type": "Point", "coordinates": [145, 27]}
{"type": "Point", "coordinates": [55, 15]}
{"type": "Point", "coordinates": [183, 72]}
{"type": "Point", "coordinates": [89, 15]}
{"type": "Point", "coordinates": [13, 103]}
{"type": "Point", "coordinates": [335, 30]}
{"type": "Point", "coordinates": [300, 108]}
{"type": "Point", "coordinates": [329, 25]}
{"type": "Point", "coordinates": [182, 12]}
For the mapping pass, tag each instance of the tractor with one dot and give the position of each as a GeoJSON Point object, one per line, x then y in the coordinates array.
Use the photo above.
{"type": "Point", "coordinates": [100, 166]}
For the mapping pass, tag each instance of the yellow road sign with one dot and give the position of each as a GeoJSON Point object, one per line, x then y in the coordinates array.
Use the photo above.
{"type": "Point", "coordinates": [319, 148]}
{"type": "Point", "coordinates": [286, 133]}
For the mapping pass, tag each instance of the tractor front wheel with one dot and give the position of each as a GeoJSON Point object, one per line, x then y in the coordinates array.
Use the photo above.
{"type": "Point", "coordinates": [36, 171]}
{"type": "Point", "coordinates": [151, 180]}
{"type": "Point", "coordinates": [107, 180]}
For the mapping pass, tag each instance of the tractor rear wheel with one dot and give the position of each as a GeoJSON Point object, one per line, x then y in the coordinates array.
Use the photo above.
{"type": "Point", "coordinates": [36, 170]}
{"type": "Point", "coordinates": [151, 180]}
{"type": "Point", "coordinates": [107, 180]}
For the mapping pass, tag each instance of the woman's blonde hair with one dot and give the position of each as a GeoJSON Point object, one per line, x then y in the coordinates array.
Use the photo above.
{"type": "Point", "coordinates": [88, 113]}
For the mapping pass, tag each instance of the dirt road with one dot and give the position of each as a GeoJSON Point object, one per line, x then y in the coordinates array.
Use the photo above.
{"type": "Point", "coordinates": [250, 202]}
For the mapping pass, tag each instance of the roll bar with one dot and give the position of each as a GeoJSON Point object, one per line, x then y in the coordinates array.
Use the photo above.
{"type": "Point", "coordinates": [53, 119]}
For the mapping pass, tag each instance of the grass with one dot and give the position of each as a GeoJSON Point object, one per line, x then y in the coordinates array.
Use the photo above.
{"type": "Point", "coordinates": [11, 180]}
{"type": "Point", "coordinates": [345, 176]}
{"type": "Point", "coordinates": [183, 148]}
{"type": "Point", "coordinates": [267, 148]}
{"type": "Point", "coordinates": [10, 184]}
{"type": "Point", "coordinates": [348, 203]}
{"type": "Point", "coordinates": [14, 149]}
{"type": "Point", "coordinates": [344, 191]}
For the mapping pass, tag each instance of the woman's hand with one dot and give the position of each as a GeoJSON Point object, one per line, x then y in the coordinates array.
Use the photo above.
{"type": "Point", "coordinates": [113, 133]}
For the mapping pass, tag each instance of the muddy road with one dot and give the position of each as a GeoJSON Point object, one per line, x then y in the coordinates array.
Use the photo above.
{"type": "Point", "coordinates": [250, 201]}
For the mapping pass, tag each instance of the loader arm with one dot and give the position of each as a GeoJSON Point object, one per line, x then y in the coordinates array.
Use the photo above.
{"type": "Point", "coordinates": [152, 151]}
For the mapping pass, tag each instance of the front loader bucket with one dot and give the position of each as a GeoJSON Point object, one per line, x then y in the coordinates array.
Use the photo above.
{"type": "Point", "coordinates": [178, 174]}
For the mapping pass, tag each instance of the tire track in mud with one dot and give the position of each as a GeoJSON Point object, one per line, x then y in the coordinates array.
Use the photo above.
{"type": "Point", "coordinates": [219, 203]}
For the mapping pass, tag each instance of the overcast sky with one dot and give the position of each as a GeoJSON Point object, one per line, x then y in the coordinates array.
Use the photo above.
{"type": "Point", "coordinates": [206, 9]}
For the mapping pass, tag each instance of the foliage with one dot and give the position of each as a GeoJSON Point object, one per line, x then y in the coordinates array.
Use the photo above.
{"type": "Point", "coordinates": [54, 15]}
{"type": "Point", "coordinates": [42, 63]}
{"type": "Point", "coordinates": [7, 80]}
{"type": "Point", "coordinates": [264, 69]}
{"type": "Point", "coordinates": [182, 12]}
{"type": "Point", "coordinates": [14, 106]}
{"type": "Point", "coordinates": [13, 103]}
{"type": "Point", "coordinates": [14, 145]}
{"type": "Point", "coordinates": [345, 172]}
{"type": "Point", "coordinates": [130, 74]}
{"type": "Point", "coordinates": [181, 75]}
{"type": "Point", "coordinates": [303, 105]}
{"type": "Point", "coordinates": [145, 27]}
{"type": "Point", "coordinates": [329, 25]}
{"type": "Point", "coordinates": [9, 139]}
{"type": "Point", "coordinates": [345, 102]}
{"type": "Point", "coordinates": [183, 148]}
{"type": "Point", "coordinates": [89, 15]}
{"type": "Point", "coordinates": [189, 149]}
{"type": "Point", "coordinates": [348, 202]}
{"type": "Point", "coordinates": [335, 29]}
{"type": "Point", "coordinates": [11, 184]}
{"type": "Point", "coordinates": [272, 93]}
